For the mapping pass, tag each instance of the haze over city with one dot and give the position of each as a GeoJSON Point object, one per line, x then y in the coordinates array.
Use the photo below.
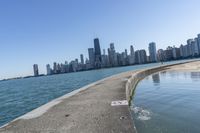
{"type": "Point", "coordinates": [49, 31]}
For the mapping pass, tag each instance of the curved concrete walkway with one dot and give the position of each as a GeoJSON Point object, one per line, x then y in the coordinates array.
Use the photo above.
{"type": "Point", "coordinates": [88, 111]}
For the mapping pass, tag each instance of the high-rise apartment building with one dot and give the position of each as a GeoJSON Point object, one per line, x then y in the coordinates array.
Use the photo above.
{"type": "Point", "coordinates": [182, 54]}
{"type": "Point", "coordinates": [198, 40]}
{"type": "Point", "coordinates": [82, 59]}
{"type": "Point", "coordinates": [152, 52]}
{"type": "Point", "coordinates": [195, 48]}
{"type": "Point", "coordinates": [140, 57]}
{"type": "Point", "coordinates": [189, 47]}
{"type": "Point", "coordinates": [169, 53]}
{"type": "Point", "coordinates": [143, 56]}
{"type": "Point", "coordinates": [49, 71]}
{"type": "Point", "coordinates": [176, 53]}
{"type": "Point", "coordinates": [160, 55]}
{"type": "Point", "coordinates": [112, 55]}
{"type": "Point", "coordinates": [105, 61]}
{"type": "Point", "coordinates": [35, 70]}
{"type": "Point", "coordinates": [91, 56]}
{"type": "Point", "coordinates": [132, 55]}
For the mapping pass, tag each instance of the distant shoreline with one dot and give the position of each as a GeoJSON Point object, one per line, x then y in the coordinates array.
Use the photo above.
{"type": "Point", "coordinates": [41, 75]}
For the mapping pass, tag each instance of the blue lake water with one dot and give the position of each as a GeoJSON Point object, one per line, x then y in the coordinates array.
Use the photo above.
{"type": "Point", "coordinates": [20, 96]}
{"type": "Point", "coordinates": [168, 102]}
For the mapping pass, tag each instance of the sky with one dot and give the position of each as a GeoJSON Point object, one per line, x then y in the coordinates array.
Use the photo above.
{"type": "Point", "coordinates": [46, 31]}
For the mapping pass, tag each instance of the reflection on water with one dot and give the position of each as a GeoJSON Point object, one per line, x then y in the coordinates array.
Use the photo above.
{"type": "Point", "coordinates": [156, 78]}
{"type": "Point", "coordinates": [195, 76]}
{"type": "Point", "coordinates": [173, 108]}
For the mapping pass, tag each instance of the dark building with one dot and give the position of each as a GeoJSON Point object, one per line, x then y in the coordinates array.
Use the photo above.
{"type": "Point", "coordinates": [140, 57]}
{"type": "Point", "coordinates": [55, 68]}
{"type": "Point", "coordinates": [143, 56]}
{"type": "Point", "coordinates": [82, 59]}
{"type": "Point", "coordinates": [137, 56]}
{"type": "Point", "coordinates": [97, 53]}
{"type": "Point", "coordinates": [168, 54]}
{"type": "Point", "coordinates": [35, 70]}
{"type": "Point", "coordinates": [91, 56]}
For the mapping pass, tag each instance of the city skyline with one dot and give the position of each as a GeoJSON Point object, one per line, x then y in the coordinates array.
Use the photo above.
{"type": "Point", "coordinates": [46, 31]}
{"type": "Point", "coordinates": [113, 58]}
{"type": "Point", "coordinates": [190, 50]}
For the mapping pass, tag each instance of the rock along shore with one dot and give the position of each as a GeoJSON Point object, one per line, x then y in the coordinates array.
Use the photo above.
{"type": "Point", "coordinates": [89, 110]}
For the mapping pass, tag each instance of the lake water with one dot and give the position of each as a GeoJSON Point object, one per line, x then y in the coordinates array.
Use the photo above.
{"type": "Point", "coordinates": [168, 102]}
{"type": "Point", "coordinates": [20, 96]}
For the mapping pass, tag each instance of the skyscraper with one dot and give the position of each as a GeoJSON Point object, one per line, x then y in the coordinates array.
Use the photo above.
{"type": "Point", "coordinates": [131, 50]}
{"type": "Point", "coordinates": [169, 53]}
{"type": "Point", "coordinates": [97, 53]}
{"type": "Point", "coordinates": [126, 53]}
{"type": "Point", "coordinates": [137, 56]}
{"type": "Point", "coordinates": [152, 52]}
{"type": "Point", "coordinates": [161, 56]}
{"type": "Point", "coordinates": [143, 56]}
{"type": "Point", "coordinates": [48, 69]}
{"type": "Point", "coordinates": [55, 68]}
{"type": "Point", "coordinates": [104, 57]}
{"type": "Point", "coordinates": [91, 56]}
{"type": "Point", "coordinates": [195, 47]}
{"type": "Point", "coordinates": [112, 55]}
{"type": "Point", "coordinates": [189, 47]}
{"type": "Point", "coordinates": [140, 56]}
{"type": "Point", "coordinates": [198, 40]}
{"type": "Point", "coordinates": [126, 57]}
{"type": "Point", "coordinates": [132, 56]}
{"type": "Point", "coordinates": [182, 53]}
{"type": "Point", "coordinates": [174, 52]}
{"type": "Point", "coordinates": [35, 70]}
{"type": "Point", "coordinates": [104, 52]}
{"type": "Point", "coordinates": [82, 59]}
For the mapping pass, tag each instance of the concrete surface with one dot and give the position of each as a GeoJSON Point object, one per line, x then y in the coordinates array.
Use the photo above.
{"type": "Point", "coordinates": [88, 111]}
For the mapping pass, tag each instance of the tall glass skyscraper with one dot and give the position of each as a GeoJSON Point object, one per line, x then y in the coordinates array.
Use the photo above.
{"type": "Point", "coordinates": [152, 52]}
{"type": "Point", "coordinates": [97, 53]}
{"type": "Point", "coordinates": [91, 56]}
{"type": "Point", "coordinates": [82, 59]}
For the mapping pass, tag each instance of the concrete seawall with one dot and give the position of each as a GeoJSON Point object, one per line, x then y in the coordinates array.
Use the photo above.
{"type": "Point", "coordinates": [132, 82]}
{"type": "Point", "coordinates": [137, 76]}
{"type": "Point", "coordinates": [87, 110]}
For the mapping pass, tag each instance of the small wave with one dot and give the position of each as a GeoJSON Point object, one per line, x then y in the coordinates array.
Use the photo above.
{"type": "Point", "coordinates": [141, 114]}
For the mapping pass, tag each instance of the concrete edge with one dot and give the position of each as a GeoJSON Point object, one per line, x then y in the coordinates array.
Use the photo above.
{"type": "Point", "coordinates": [132, 82]}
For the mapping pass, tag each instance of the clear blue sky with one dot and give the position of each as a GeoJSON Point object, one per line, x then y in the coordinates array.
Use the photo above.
{"type": "Point", "coordinates": [44, 31]}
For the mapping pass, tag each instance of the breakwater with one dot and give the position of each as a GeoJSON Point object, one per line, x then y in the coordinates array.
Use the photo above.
{"type": "Point", "coordinates": [132, 82]}
{"type": "Point", "coordinates": [168, 101]}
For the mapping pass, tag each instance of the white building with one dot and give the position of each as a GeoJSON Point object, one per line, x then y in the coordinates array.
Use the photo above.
{"type": "Point", "coordinates": [48, 69]}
